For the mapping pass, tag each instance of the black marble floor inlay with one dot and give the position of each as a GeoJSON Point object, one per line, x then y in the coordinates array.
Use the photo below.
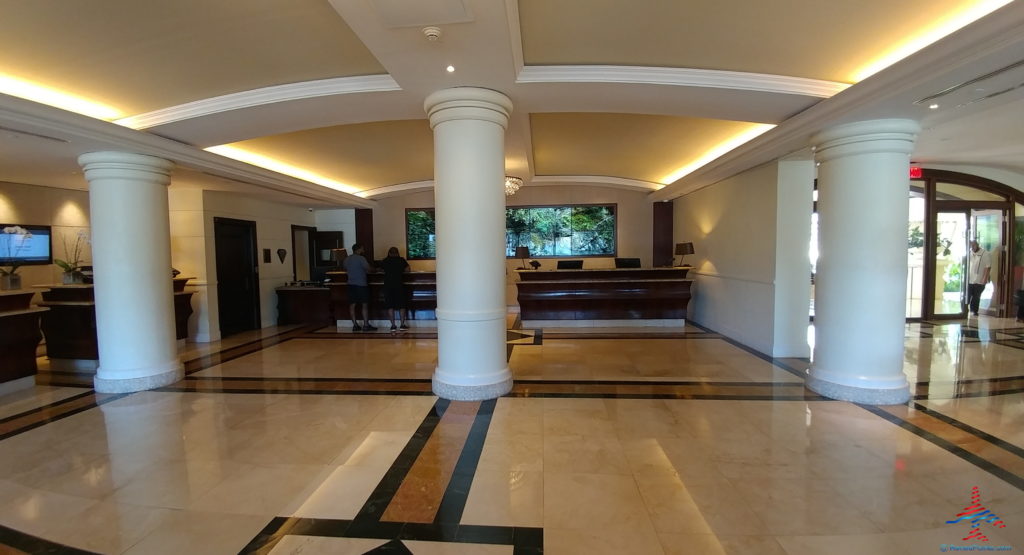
{"type": "Point", "coordinates": [987, 466]}
{"type": "Point", "coordinates": [445, 528]}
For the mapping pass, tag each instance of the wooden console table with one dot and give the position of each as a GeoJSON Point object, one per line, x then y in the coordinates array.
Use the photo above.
{"type": "Point", "coordinates": [605, 294]}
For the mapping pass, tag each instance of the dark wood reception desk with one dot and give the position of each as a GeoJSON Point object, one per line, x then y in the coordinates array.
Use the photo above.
{"type": "Point", "coordinates": [19, 334]}
{"type": "Point", "coordinates": [605, 294]}
{"type": "Point", "coordinates": [420, 290]}
{"type": "Point", "coordinates": [70, 329]}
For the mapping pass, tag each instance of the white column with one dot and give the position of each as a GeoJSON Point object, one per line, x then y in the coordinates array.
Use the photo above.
{"type": "Point", "coordinates": [469, 207]}
{"type": "Point", "coordinates": [131, 248]}
{"type": "Point", "coordinates": [861, 280]}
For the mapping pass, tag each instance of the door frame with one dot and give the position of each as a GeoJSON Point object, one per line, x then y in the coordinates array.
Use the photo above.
{"type": "Point", "coordinates": [933, 207]}
{"type": "Point", "coordinates": [310, 249]}
{"type": "Point", "coordinates": [257, 317]}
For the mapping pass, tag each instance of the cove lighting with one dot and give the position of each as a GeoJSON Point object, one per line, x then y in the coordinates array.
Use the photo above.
{"type": "Point", "coordinates": [929, 35]}
{"type": "Point", "coordinates": [58, 99]}
{"type": "Point", "coordinates": [755, 130]}
{"type": "Point", "coordinates": [280, 167]}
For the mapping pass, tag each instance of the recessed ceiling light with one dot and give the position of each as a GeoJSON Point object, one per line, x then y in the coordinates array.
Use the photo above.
{"type": "Point", "coordinates": [450, 69]}
{"type": "Point", "coordinates": [934, 107]}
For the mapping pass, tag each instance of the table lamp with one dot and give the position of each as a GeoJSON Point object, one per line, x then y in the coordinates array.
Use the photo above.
{"type": "Point", "coordinates": [523, 253]}
{"type": "Point", "coordinates": [683, 249]}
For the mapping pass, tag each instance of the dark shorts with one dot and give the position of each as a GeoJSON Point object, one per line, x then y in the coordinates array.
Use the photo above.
{"type": "Point", "coordinates": [358, 294]}
{"type": "Point", "coordinates": [394, 297]}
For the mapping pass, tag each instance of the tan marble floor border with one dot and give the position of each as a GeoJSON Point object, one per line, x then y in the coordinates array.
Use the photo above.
{"type": "Point", "coordinates": [997, 457]}
{"type": "Point", "coordinates": [419, 496]}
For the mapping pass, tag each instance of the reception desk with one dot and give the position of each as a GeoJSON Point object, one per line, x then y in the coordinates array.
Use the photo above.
{"type": "Point", "coordinates": [420, 290]}
{"type": "Point", "coordinates": [19, 334]}
{"type": "Point", "coordinates": [69, 327]}
{"type": "Point", "coordinates": [573, 296]}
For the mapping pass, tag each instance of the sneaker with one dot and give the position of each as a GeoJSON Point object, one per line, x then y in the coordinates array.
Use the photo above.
{"type": "Point", "coordinates": [368, 327]}
{"type": "Point", "coordinates": [394, 328]}
{"type": "Point", "coordinates": [357, 328]}
{"type": "Point", "coordinates": [403, 327]}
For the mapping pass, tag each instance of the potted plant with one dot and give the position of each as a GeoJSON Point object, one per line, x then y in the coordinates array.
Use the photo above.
{"type": "Point", "coordinates": [9, 278]}
{"type": "Point", "coordinates": [72, 266]}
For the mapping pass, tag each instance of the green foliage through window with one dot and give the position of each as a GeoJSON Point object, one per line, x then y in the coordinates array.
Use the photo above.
{"type": "Point", "coordinates": [419, 234]}
{"type": "Point", "coordinates": [548, 231]}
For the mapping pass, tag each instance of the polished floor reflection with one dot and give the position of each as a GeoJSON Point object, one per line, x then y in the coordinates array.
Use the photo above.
{"type": "Point", "coordinates": [625, 440]}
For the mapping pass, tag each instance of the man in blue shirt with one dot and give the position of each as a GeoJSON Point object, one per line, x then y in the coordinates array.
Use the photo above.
{"type": "Point", "coordinates": [357, 267]}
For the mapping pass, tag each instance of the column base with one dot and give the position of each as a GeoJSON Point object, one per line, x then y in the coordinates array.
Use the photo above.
{"type": "Point", "coordinates": [130, 385]}
{"type": "Point", "coordinates": [866, 396]}
{"type": "Point", "coordinates": [483, 392]}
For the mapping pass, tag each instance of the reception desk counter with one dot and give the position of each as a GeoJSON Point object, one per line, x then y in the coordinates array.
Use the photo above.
{"type": "Point", "coordinates": [604, 294]}
{"type": "Point", "coordinates": [69, 327]}
{"type": "Point", "coordinates": [420, 290]}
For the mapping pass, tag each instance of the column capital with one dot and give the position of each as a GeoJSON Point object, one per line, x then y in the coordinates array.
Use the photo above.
{"type": "Point", "coordinates": [467, 103]}
{"type": "Point", "coordinates": [894, 136]}
{"type": "Point", "coordinates": [126, 165]}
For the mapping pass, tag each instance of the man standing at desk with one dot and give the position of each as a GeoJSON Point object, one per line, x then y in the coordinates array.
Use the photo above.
{"type": "Point", "coordinates": [357, 267]}
{"type": "Point", "coordinates": [979, 263]}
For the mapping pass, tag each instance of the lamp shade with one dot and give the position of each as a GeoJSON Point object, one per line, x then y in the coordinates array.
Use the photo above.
{"type": "Point", "coordinates": [522, 252]}
{"type": "Point", "coordinates": [684, 248]}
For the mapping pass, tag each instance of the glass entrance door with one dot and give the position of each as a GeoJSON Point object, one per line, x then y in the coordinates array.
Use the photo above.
{"type": "Point", "coordinates": [950, 263]}
{"type": "Point", "coordinates": [987, 226]}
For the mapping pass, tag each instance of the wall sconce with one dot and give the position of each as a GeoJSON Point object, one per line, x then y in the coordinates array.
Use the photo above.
{"type": "Point", "coordinates": [683, 249]}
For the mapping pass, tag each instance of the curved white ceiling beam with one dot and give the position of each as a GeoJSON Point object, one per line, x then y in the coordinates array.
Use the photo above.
{"type": "Point", "coordinates": [681, 77]}
{"type": "Point", "coordinates": [598, 181]}
{"type": "Point", "coordinates": [399, 189]}
{"type": "Point", "coordinates": [617, 89]}
{"type": "Point", "coordinates": [536, 181]}
{"type": "Point", "coordinates": [260, 97]}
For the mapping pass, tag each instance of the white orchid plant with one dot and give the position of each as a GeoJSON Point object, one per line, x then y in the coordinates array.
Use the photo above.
{"type": "Point", "coordinates": [73, 263]}
{"type": "Point", "coordinates": [14, 246]}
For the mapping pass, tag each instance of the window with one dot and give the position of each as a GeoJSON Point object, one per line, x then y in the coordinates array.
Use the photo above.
{"type": "Point", "coordinates": [580, 230]}
{"type": "Point", "coordinates": [419, 233]}
{"type": "Point", "coordinates": [549, 231]}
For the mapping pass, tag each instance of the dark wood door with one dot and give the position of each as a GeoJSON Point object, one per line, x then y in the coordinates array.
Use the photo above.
{"type": "Point", "coordinates": [238, 291]}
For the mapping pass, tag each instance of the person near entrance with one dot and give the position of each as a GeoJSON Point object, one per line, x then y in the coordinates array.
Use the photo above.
{"type": "Point", "coordinates": [356, 267]}
{"type": "Point", "coordinates": [979, 264]}
{"type": "Point", "coordinates": [395, 267]}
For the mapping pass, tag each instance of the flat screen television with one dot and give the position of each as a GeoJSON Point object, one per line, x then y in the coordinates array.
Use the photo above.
{"type": "Point", "coordinates": [34, 248]}
{"type": "Point", "coordinates": [627, 262]}
{"type": "Point", "coordinates": [570, 264]}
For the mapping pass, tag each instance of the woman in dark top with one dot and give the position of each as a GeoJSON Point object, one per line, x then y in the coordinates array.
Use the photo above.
{"type": "Point", "coordinates": [394, 267]}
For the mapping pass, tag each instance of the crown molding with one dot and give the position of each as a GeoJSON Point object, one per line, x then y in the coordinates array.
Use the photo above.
{"type": "Point", "coordinates": [260, 97]}
{"type": "Point", "coordinates": [681, 77]}
{"type": "Point", "coordinates": [995, 33]}
{"type": "Point", "coordinates": [85, 134]}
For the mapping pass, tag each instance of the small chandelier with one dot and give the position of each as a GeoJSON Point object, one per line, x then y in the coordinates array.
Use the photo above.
{"type": "Point", "coordinates": [512, 184]}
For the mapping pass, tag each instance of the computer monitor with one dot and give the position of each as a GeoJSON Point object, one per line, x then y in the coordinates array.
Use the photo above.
{"type": "Point", "coordinates": [570, 264]}
{"type": "Point", "coordinates": [627, 262]}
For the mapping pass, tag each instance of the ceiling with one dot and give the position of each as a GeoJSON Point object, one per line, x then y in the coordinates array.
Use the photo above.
{"type": "Point", "coordinates": [605, 92]}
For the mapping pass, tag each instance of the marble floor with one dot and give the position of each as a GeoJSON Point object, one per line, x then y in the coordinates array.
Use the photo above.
{"type": "Point", "coordinates": [632, 440]}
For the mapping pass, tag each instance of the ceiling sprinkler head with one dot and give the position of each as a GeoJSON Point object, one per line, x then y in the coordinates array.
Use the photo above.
{"type": "Point", "coordinates": [432, 33]}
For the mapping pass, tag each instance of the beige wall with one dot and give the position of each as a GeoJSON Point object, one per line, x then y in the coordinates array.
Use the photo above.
{"type": "Point", "coordinates": [732, 225]}
{"type": "Point", "coordinates": [273, 231]}
{"type": "Point", "coordinates": [65, 210]}
{"type": "Point", "coordinates": [633, 233]}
